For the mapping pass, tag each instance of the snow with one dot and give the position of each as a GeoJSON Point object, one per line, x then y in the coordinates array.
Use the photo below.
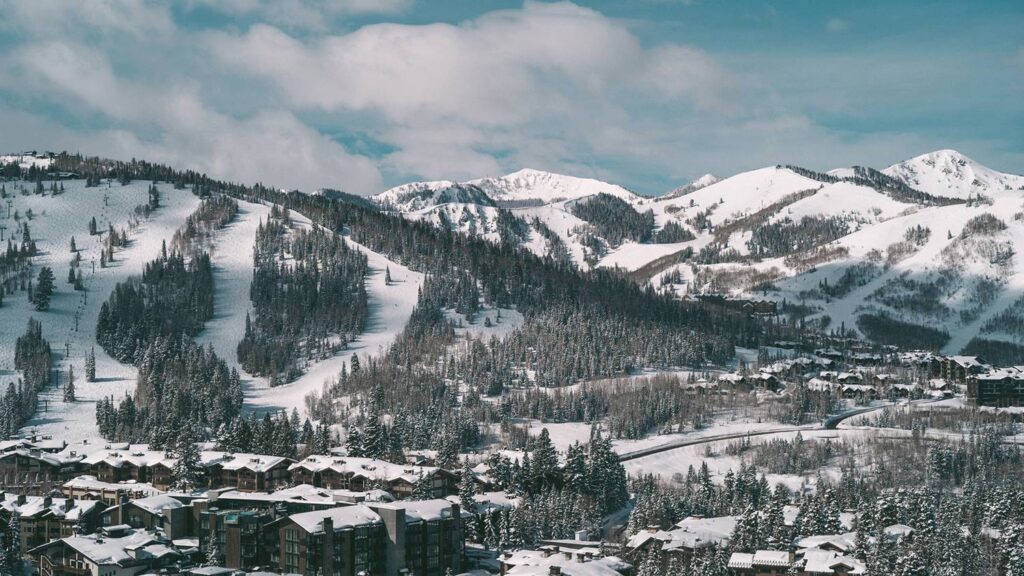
{"type": "Point", "coordinates": [547, 187]}
{"type": "Point", "coordinates": [345, 516]}
{"type": "Point", "coordinates": [692, 186]}
{"type": "Point", "coordinates": [951, 174]}
{"type": "Point", "coordinates": [26, 160]}
{"type": "Point", "coordinates": [508, 323]}
{"type": "Point", "coordinates": [56, 220]}
{"type": "Point", "coordinates": [390, 307]}
{"type": "Point", "coordinates": [231, 255]}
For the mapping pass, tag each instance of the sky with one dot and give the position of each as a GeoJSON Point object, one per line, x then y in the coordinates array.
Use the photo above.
{"type": "Point", "coordinates": [361, 95]}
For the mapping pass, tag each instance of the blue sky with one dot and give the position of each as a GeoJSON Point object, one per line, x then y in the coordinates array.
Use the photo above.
{"type": "Point", "coordinates": [365, 94]}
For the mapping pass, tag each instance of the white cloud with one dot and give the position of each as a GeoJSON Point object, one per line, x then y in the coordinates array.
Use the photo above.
{"type": "Point", "coordinates": [315, 15]}
{"type": "Point", "coordinates": [55, 18]}
{"type": "Point", "coordinates": [552, 86]}
{"type": "Point", "coordinates": [506, 77]}
{"type": "Point", "coordinates": [170, 123]}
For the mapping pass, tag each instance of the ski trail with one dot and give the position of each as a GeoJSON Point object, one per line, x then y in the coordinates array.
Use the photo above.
{"type": "Point", "coordinates": [231, 256]}
{"type": "Point", "coordinates": [390, 307]}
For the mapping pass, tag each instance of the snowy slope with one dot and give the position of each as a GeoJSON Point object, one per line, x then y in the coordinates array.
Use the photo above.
{"type": "Point", "coordinates": [949, 173]}
{"type": "Point", "coordinates": [547, 187]}
{"type": "Point", "coordinates": [872, 268]}
{"type": "Point", "coordinates": [702, 182]}
{"type": "Point", "coordinates": [390, 309]}
{"type": "Point", "coordinates": [70, 323]}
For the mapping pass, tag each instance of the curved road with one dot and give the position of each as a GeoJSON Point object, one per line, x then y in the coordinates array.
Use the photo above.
{"type": "Point", "coordinates": [830, 423]}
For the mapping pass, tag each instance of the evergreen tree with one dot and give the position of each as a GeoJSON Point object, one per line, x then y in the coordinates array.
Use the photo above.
{"type": "Point", "coordinates": [90, 366]}
{"type": "Point", "coordinates": [69, 387]}
{"type": "Point", "coordinates": [651, 566]}
{"type": "Point", "coordinates": [187, 473]}
{"type": "Point", "coordinates": [44, 288]}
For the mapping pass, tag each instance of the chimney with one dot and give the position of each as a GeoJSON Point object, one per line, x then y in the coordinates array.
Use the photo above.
{"type": "Point", "coordinates": [328, 525]}
{"type": "Point", "coordinates": [581, 557]}
{"type": "Point", "coordinates": [69, 503]}
{"type": "Point", "coordinates": [21, 499]}
{"type": "Point", "coordinates": [567, 554]}
{"type": "Point", "coordinates": [47, 501]}
{"type": "Point", "coordinates": [554, 571]}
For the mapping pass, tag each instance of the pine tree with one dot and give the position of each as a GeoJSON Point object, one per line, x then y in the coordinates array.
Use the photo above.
{"type": "Point", "coordinates": [212, 550]}
{"type": "Point", "coordinates": [90, 366]}
{"type": "Point", "coordinates": [374, 443]}
{"type": "Point", "coordinates": [69, 388]}
{"type": "Point", "coordinates": [92, 226]}
{"type": "Point", "coordinates": [387, 275]}
{"type": "Point", "coordinates": [546, 471]}
{"type": "Point", "coordinates": [650, 565]}
{"type": "Point", "coordinates": [354, 443]}
{"type": "Point", "coordinates": [44, 288]}
{"type": "Point", "coordinates": [73, 247]}
{"type": "Point", "coordinates": [422, 490]}
{"type": "Point", "coordinates": [467, 488]}
{"type": "Point", "coordinates": [187, 472]}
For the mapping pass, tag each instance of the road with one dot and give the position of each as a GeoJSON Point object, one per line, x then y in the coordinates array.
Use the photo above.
{"type": "Point", "coordinates": [830, 423]}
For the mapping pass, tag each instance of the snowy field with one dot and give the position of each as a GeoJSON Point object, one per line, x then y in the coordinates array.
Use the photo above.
{"type": "Point", "coordinates": [70, 323]}
{"type": "Point", "coordinates": [231, 256]}
{"type": "Point", "coordinates": [390, 308]}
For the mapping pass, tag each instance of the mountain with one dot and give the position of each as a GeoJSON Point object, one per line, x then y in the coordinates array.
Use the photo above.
{"type": "Point", "coordinates": [540, 210]}
{"type": "Point", "coordinates": [931, 241]}
{"type": "Point", "coordinates": [950, 173]}
{"type": "Point", "coordinates": [702, 182]}
{"type": "Point", "coordinates": [547, 188]}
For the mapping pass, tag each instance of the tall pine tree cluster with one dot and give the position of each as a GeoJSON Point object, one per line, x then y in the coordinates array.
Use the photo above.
{"type": "Point", "coordinates": [149, 322]}
{"type": "Point", "coordinates": [309, 298]}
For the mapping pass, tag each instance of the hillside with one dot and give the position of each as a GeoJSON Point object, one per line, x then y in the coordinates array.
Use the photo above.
{"type": "Point", "coordinates": [908, 243]}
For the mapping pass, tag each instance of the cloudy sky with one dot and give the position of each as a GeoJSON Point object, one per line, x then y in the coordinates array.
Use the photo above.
{"type": "Point", "coordinates": [365, 94]}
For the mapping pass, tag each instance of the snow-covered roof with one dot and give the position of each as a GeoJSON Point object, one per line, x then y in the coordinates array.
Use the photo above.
{"type": "Point", "coordinates": [366, 468]}
{"type": "Point", "coordinates": [825, 561]}
{"type": "Point", "coordinates": [253, 462]}
{"type": "Point", "coordinates": [967, 361]}
{"type": "Point", "coordinates": [140, 455]}
{"type": "Point", "coordinates": [345, 516]}
{"type": "Point", "coordinates": [426, 510]}
{"type": "Point", "coordinates": [86, 482]}
{"type": "Point", "coordinates": [37, 505]}
{"type": "Point", "coordinates": [306, 494]}
{"type": "Point", "coordinates": [489, 502]}
{"type": "Point", "coordinates": [694, 532]}
{"type": "Point", "coordinates": [842, 542]}
{"type": "Point", "coordinates": [58, 459]}
{"type": "Point", "coordinates": [538, 563]}
{"type": "Point", "coordinates": [106, 551]}
{"type": "Point", "coordinates": [157, 504]}
{"type": "Point", "coordinates": [741, 561]}
{"type": "Point", "coordinates": [898, 531]}
{"type": "Point", "coordinates": [779, 558]}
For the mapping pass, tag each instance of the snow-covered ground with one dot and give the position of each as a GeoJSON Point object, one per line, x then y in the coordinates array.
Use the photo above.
{"type": "Point", "coordinates": [70, 323]}
{"type": "Point", "coordinates": [877, 217]}
{"type": "Point", "coordinates": [231, 256]}
{"type": "Point", "coordinates": [390, 308]}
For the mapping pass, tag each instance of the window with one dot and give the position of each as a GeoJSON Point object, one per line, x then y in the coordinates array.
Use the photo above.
{"type": "Point", "coordinates": [291, 550]}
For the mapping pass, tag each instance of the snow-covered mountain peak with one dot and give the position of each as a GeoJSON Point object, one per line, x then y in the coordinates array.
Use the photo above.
{"type": "Point", "coordinates": [692, 186]}
{"type": "Point", "coordinates": [547, 187]}
{"type": "Point", "coordinates": [421, 195]}
{"type": "Point", "coordinates": [951, 173]}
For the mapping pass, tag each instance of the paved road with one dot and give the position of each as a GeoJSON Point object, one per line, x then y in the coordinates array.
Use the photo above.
{"type": "Point", "coordinates": [830, 423]}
